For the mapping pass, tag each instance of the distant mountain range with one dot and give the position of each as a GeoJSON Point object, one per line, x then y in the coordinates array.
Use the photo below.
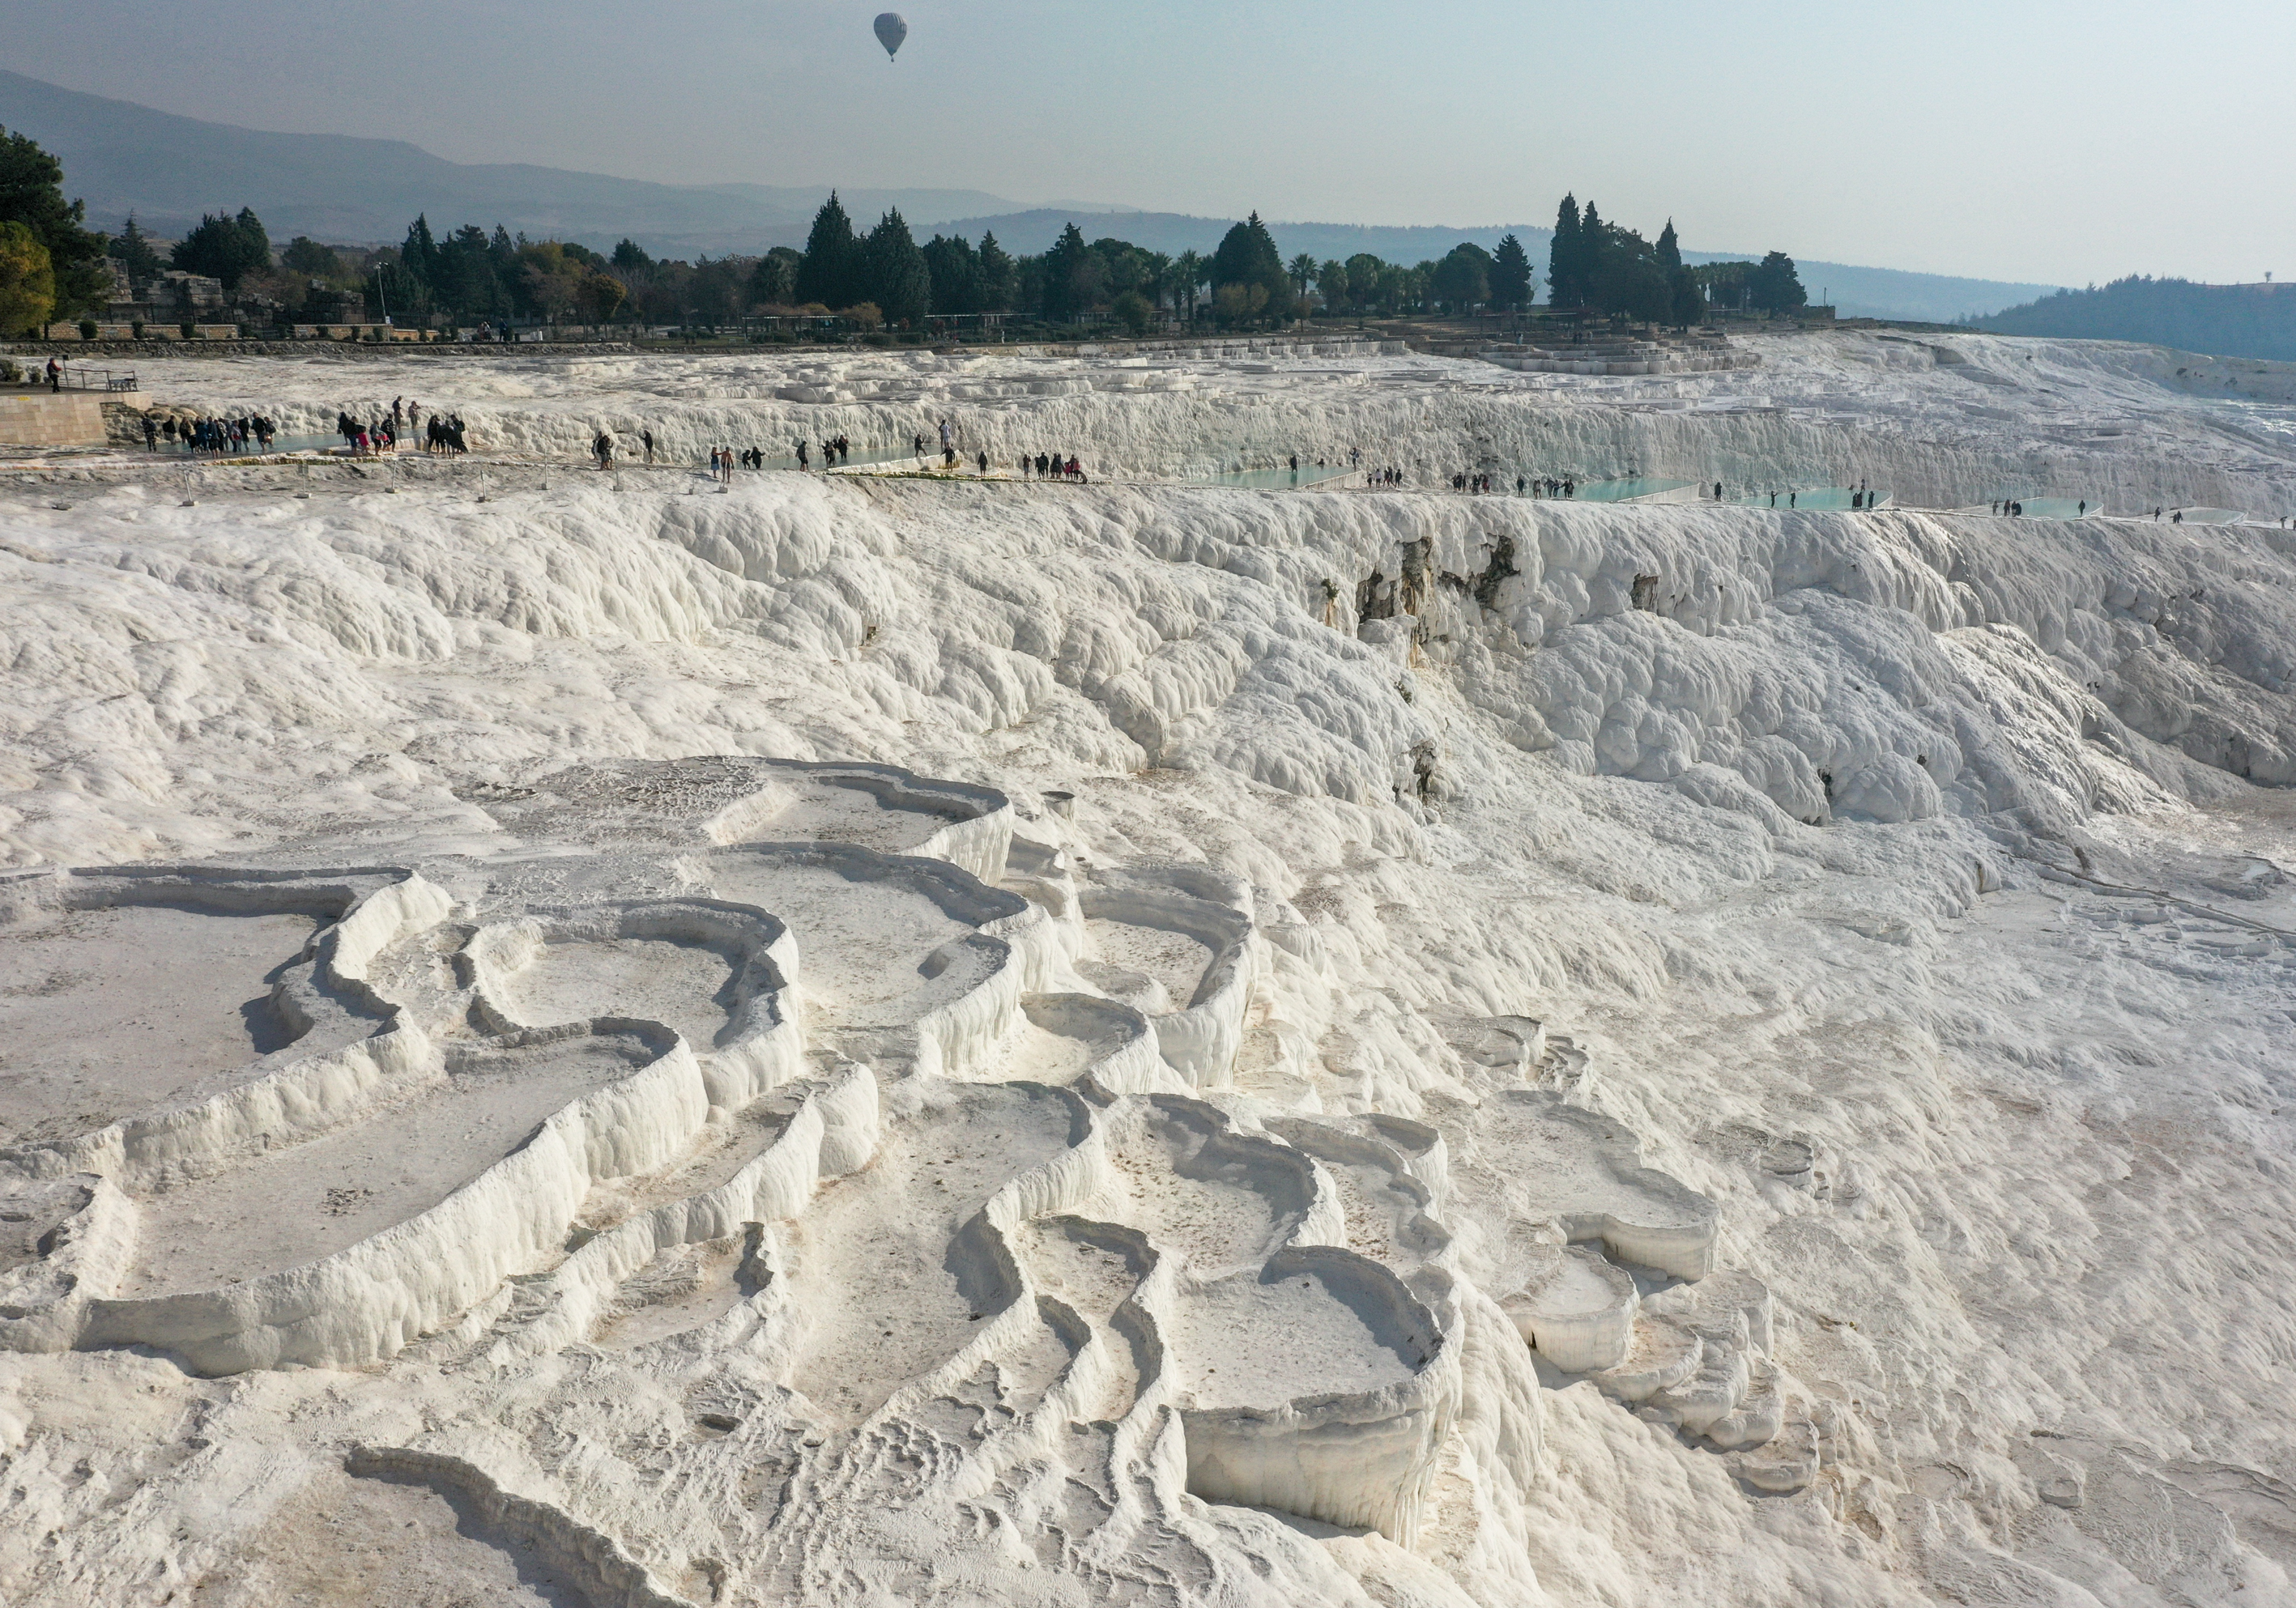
{"type": "Point", "coordinates": [2225, 321]}
{"type": "Point", "coordinates": [123, 158]}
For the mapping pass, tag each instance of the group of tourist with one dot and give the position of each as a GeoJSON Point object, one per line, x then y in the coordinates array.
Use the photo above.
{"type": "Point", "coordinates": [602, 448]}
{"type": "Point", "coordinates": [367, 440]}
{"type": "Point", "coordinates": [221, 437]}
{"type": "Point", "coordinates": [722, 460]}
{"type": "Point", "coordinates": [1052, 465]}
{"type": "Point", "coordinates": [836, 450]}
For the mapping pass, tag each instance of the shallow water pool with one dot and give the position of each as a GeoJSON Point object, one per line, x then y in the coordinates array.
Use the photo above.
{"type": "Point", "coordinates": [1274, 480]}
{"type": "Point", "coordinates": [2058, 507]}
{"type": "Point", "coordinates": [1822, 498]}
{"type": "Point", "coordinates": [1626, 490]}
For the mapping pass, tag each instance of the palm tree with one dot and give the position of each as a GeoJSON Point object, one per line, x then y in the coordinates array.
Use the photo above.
{"type": "Point", "coordinates": [1302, 270]}
{"type": "Point", "coordinates": [1188, 272]}
{"type": "Point", "coordinates": [1156, 280]}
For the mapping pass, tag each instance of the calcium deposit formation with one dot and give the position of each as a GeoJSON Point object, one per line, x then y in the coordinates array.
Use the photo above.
{"type": "Point", "coordinates": [573, 1036]}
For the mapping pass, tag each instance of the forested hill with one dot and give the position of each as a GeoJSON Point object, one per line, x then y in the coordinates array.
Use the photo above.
{"type": "Point", "coordinates": [2227, 321]}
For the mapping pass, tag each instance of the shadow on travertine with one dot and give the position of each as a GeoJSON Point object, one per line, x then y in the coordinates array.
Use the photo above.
{"type": "Point", "coordinates": [869, 1151]}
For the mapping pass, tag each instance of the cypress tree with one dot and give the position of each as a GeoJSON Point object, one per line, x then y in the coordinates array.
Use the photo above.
{"type": "Point", "coordinates": [1593, 260]}
{"type": "Point", "coordinates": [1669, 249]}
{"type": "Point", "coordinates": [420, 255]}
{"type": "Point", "coordinates": [1068, 275]}
{"type": "Point", "coordinates": [1689, 300]}
{"type": "Point", "coordinates": [894, 273]}
{"type": "Point", "coordinates": [955, 269]}
{"type": "Point", "coordinates": [1564, 288]}
{"type": "Point", "coordinates": [830, 273]}
{"type": "Point", "coordinates": [999, 282]}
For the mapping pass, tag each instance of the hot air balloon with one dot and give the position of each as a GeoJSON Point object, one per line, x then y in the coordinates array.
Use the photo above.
{"type": "Point", "coordinates": [890, 31]}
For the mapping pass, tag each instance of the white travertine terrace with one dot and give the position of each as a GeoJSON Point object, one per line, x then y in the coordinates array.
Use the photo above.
{"type": "Point", "coordinates": [1430, 1048]}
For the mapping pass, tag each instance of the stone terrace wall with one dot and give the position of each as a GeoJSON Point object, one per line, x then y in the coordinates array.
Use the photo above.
{"type": "Point", "coordinates": [45, 419]}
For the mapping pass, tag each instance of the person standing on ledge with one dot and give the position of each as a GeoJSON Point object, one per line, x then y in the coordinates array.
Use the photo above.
{"type": "Point", "coordinates": [647, 437]}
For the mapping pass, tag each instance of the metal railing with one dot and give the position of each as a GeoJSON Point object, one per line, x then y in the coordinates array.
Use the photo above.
{"type": "Point", "coordinates": [80, 377]}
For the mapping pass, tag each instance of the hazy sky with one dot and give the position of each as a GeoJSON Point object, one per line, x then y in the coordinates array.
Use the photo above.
{"type": "Point", "coordinates": [2011, 139]}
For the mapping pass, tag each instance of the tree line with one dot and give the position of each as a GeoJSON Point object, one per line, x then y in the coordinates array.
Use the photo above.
{"type": "Point", "coordinates": [51, 266]}
{"type": "Point", "coordinates": [1597, 265]}
{"type": "Point", "coordinates": [2230, 320]}
{"type": "Point", "coordinates": [882, 277]}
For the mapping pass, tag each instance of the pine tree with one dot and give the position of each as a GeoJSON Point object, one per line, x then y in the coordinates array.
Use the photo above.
{"type": "Point", "coordinates": [1774, 286]}
{"type": "Point", "coordinates": [133, 253]}
{"type": "Point", "coordinates": [1247, 256]}
{"type": "Point", "coordinates": [1510, 283]}
{"type": "Point", "coordinates": [1462, 280]}
{"type": "Point", "coordinates": [31, 193]}
{"type": "Point", "coordinates": [309, 257]}
{"type": "Point", "coordinates": [830, 273]}
{"type": "Point", "coordinates": [225, 248]}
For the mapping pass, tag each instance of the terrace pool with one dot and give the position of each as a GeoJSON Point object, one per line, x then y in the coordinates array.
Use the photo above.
{"type": "Point", "coordinates": [1275, 479]}
{"type": "Point", "coordinates": [1626, 491]}
{"type": "Point", "coordinates": [2059, 508]}
{"type": "Point", "coordinates": [1822, 498]}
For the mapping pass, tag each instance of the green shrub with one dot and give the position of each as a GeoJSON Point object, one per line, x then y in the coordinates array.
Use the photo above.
{"type": "Point", "coordinates": [87, 328]}
{"type": "Point", "coordinates": [136, 328]}
{"type": "Point", "coordinates": [190, 331]}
